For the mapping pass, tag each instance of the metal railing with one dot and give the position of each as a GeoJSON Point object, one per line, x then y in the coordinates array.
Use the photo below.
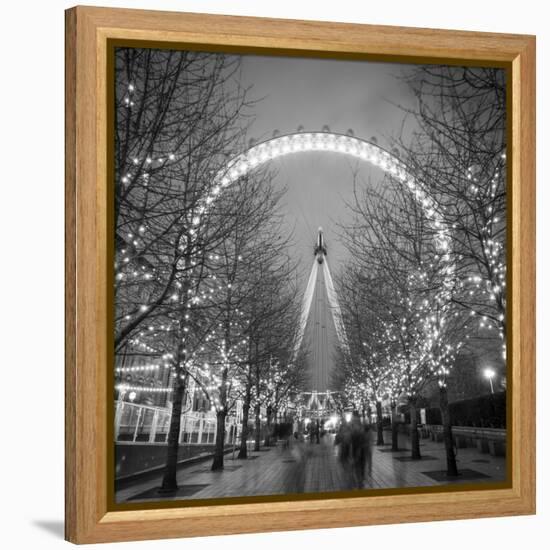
{"type": "Point", "coordinates": [135, 423]}
{"type": "Point", "coordinates": [496, 434]}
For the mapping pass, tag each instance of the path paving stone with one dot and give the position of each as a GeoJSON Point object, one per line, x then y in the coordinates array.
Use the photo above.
{"type": "Point", "coordinates": [311, 467]}
{"type": "Point", "coordinates": [464, 475]}
{"type": "Point", "coordinates": [410, 459]}
{"type": "Point", "coordinates": [182, 492]}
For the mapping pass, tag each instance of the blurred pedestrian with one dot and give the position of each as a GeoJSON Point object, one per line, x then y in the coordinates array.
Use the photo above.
{"type": "Point", "coordinates": [343, 440]}
{"type": "Point", "coordinates": [317, 431]}
{"type": "Point", "coordinates": [361, 452]}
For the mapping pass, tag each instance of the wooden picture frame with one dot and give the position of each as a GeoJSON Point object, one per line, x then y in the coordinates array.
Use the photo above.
{"type": "Point", "coordinates": [89, 518]}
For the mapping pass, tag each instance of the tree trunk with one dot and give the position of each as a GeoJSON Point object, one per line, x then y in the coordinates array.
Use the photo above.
{"type": "Point", "coordinates": [415, 443]}
{"type": "Point", "coordinates": [217, 463]}
{"type": "Point", "coordinates": [169, 482]}
{"type": "Point", "coordinates": [394, 426]}
{"type": "Point", "coordinates": [447, 432]}
{"type": "Point", "coordinates": [243, 450]}
{"type": "Point", "coordinates": [379, 427]}
{"type": "Point", "coordinates": [257, 426]}
{"type": "Point", "coordinates": [267, 440]}
{"type": "Point", "coordinates": [221, 413]}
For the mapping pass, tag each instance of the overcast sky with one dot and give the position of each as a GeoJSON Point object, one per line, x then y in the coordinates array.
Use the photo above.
{"type": "Point", "coordinates": [360, 95]}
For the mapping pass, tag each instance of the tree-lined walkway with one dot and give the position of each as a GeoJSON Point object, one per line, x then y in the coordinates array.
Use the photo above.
{"type": "Point", "coordinates": [311, 468]}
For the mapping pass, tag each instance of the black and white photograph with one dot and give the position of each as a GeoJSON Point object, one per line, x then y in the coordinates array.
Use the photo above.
{"type": "Point", "coordinates": [309, 276]}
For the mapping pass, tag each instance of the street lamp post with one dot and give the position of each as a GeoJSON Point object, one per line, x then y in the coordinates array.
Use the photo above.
{"type": "Point", "coordinates": [489, 374]}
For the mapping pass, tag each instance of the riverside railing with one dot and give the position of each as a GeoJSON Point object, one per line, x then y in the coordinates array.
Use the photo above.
{"type": "Point", "coordinates": [136, 423]}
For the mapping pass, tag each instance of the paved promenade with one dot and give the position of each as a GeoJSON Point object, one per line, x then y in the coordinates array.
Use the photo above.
{"type": "Point", "coordinates": [307, 467]}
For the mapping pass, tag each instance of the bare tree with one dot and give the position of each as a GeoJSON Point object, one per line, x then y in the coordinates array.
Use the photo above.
{"type": "Point", "coordinates": [179, 117]}
{"type": "Point", "coordinates": [459, 156]}
{"type": "Point", "coordinates": [251, 273]}
{"type": "Point", "coordinates": [365, 359]}
{"type": "Point", "coordinates": [409, 279]}
{"type": "Point", "coordinates": [272, 365]}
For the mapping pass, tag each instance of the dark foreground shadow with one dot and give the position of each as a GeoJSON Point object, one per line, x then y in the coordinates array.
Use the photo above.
{"type": "Point", "coordinates": [53, 527]}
